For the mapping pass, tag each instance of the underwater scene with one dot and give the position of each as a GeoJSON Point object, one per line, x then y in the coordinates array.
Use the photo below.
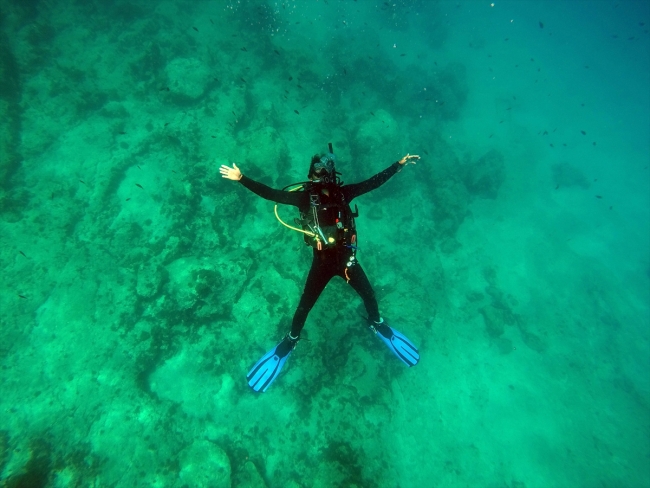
{"type": "Point", "coordinates": [144, 272]}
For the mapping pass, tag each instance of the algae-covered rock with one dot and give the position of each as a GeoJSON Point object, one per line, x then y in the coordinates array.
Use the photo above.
{"type": "Point", "coordinates": [193, 279]}
{"type": "Point", "coordinates": [451, 200]}
{"type": "Point", "coordinates": [249, 477]}
{"type": "Point", "coordinates": [10, 159]}
{"type": "Point", "coordinates": [188, 77]}
{"type": "Point", "coordinates": [204, 464]}
{"type": "Point", "coordinates": [266, 149]}
{"type": "Point", "coordinates": [4, 449]}
{"type": "Point", "coordinates": [484, 177]}
{"type": "Point", "coordinates": [494, 324]}
{"type": "Point", "coordinates": [378, 132]}
{"type": "Point", "coordinates": [451, 90]}
{"type": "Point", "coordinates": [150, 279]}
{"type": "Point", "coordinates": [566, 175]}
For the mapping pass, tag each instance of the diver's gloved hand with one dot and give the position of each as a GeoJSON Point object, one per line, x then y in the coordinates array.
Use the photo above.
{"type": "Point", "coordinates": [406, 159]}
{"type": "Point", "coordinates": [230, 173]}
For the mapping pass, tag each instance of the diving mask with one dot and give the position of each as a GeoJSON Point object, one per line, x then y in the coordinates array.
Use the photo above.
{"type": "Point", "coordinates": [325, 165]}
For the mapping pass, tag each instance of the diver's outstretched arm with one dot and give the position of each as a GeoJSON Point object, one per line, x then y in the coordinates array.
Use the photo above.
{"type": "Point", "coordinates": [231, 173]}
{"type": "Point", "coordinates": [406, 158]}
{"type": "Point", "coordinates": [266, 192]}
{"type": "Point", "coordinates": [357, 189]}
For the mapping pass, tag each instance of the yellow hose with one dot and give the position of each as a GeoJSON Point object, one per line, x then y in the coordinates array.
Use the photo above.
{"type": "Point", "coordinates": [310, 234]}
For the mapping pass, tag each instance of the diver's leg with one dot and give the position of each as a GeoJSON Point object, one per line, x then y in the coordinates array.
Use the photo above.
{"type": "Point", "coordinates": [395, 340]}
{"type": "Point", "coordinates": [359, 281]}
{"type": "Point", "coordinates": [320, 273]}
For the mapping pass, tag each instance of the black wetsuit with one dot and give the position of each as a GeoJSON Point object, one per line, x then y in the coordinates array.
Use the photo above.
{"type": "Point", "coordinates": [331, 262]}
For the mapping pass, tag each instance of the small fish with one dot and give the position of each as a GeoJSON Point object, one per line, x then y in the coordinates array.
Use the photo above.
{"type": "Point", "coordinates": [216, 79]}
{"type": "Point", "coordinates": [128, 199]}
{"type": "Point", "coordinates": [598, 196]}
{"type": "Point", "coordinates": [211, 22]}
{"type": "Point", "coordinates": [594, 143]}
{"type": "Point", "coordinates": [82, 181]}
{"type": "Point", "coordinates": [426, 152]}
{"type": "Point", "coordinates": [507, 39]}
{"type": "Point", "coordinates": [164, 88]}
{"type": "Point", "coordinates": [551, 145]}
{"type": "Point", "coordinates": [297, 112]}
{"type": "Point", "coordinates": [244, 49]}
{"type": "Point", "coordinates": [276, 52]}
{"type": "Point", "coordinates": [138, 167]}
{"type": "Point", "coordinates": [557, 186]}
{"type": "Point", "coordinates": [290, 78]}
{"type": "Point", "coordinates": [233, 112]}
{"type": "Point", "coordinates": [121, 132]}
{"type": "Point", "coordinates": [139, 186]}
{"type": "Point", "coordinates": [545, 133]}
{"type": "Point", "coordinates": [610, 207]}
{"type": "Point", "coordinates": [195, 29]}
{"type": "Point", "coordinates": [214, 137]}
{"type": "Point", "coordinates": [299, 86]}
{"type": "Point", "coordinates": [23, 296]}
{"type": "Point", "coordinates": [345, 71]}
{"type": "Point", "coordinates": [243, 80]}
{"type": "Point", "coordinates": [403, 54]}
{"type": "Point", "coordinates": [583, 133]}
{"type": "Point", "coordinates": [166, 124]}
{"type": "Point", "coordinates": [22, 253]}
{"type": "Point", "coordinates": [541, 24]}
{"type": "Point", "coordinates": [372, 113]}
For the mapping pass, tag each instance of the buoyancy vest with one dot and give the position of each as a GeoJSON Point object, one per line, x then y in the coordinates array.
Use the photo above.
{"type": "Point", "coordinates": [329, 220]}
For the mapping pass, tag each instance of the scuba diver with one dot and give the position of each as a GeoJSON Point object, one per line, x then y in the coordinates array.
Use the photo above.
{"type": "Point", "coordinates": [328, 226]}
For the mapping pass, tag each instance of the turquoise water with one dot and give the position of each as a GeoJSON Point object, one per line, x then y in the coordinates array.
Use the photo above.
{"type": "Point", "coordinates": [138, 287]}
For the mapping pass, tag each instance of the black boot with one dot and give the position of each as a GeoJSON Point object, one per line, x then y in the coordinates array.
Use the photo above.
{"type": "Point", "coordinates": [287, 345]}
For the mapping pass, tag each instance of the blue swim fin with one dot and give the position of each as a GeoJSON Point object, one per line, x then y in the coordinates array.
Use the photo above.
{"type": "Point", "coordinates": [397, 342]}
{"type": "Point", "coordinates": [267, 369]}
